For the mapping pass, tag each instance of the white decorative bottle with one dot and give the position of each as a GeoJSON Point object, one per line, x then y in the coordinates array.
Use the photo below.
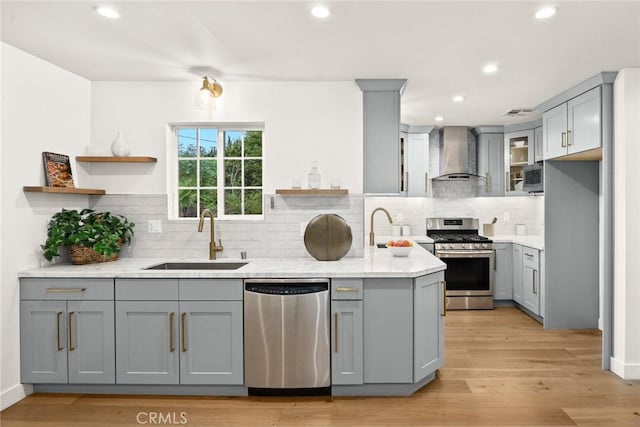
{"type": "Point", "coordinates": [119, 147]}
{"type": "Point", "coordinates": [314, 176]}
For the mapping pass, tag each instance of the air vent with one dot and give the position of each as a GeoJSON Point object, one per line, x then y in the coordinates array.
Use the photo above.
{"type": "Point", "coordinates": [517, 112]}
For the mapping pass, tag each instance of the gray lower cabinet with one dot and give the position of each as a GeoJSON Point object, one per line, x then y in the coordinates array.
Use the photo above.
{"type": "Point", "coordinates": [517, 274]}
{"type": "Point", "coordinates": [346, 353]}
{"type": "Point", "coordinates": [503, 271]}
{"type": "Point", "coordinates": [65, 337]}
{"type": "Point", "coordinates": [531, 280]}
{"type": "Point", "coordinates": [428, 325]}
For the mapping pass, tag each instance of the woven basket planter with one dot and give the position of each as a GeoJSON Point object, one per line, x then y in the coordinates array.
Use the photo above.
{"type": "Point", "coordinates": [83, 255]}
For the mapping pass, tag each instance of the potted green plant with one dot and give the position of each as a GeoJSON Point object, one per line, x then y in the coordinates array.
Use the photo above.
{"type": "Point", "coordinates": [88, 236]}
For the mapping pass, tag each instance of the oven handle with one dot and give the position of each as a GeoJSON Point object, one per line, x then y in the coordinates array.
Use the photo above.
{"type": "Point", "coordinates": [465, 254]}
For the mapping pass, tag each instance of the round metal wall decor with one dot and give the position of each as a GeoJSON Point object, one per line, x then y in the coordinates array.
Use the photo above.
{"type": "Point", "coordinates": [328, 237]}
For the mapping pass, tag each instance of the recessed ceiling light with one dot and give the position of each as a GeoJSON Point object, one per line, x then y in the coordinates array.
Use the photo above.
{"type": "Point", "coordinates": [439, 119]}
{"type": "Point", "coordinates": [546, 12]}
{"type": "Point", "coordinates": [320, 11]}
{"type": "Point", "coordinates": [107, 12]}
{"type": "Point", "coordinates": [490, 69]}
{"type": "Point", "coordinates": [458, 98]}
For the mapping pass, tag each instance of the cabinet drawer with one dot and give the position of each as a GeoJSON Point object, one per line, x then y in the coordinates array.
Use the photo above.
{"type": "Point", "coordinates": [147, 289]}
{"type": "Point", "coordinates": [344, 289]}
{"type": "Point", "coordinates": [211, 289]}
{"type": "Point", "coordinates": [530, 255]}
{"type": "Point", "coordinates": [66, 289]}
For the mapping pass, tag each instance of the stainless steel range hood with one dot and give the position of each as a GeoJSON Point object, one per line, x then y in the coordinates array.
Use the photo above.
{"type": "Point", "coordinates": [457, 160]}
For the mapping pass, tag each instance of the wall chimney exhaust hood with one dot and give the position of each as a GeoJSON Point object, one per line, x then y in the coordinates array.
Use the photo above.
{"type": "Point", "coordinates": [457, 156]}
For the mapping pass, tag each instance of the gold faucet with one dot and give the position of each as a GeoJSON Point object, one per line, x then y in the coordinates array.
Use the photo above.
{"type": "Point", "coordinates": [371, 235]}
{"type": "Point", "coordinates": [213, 248]}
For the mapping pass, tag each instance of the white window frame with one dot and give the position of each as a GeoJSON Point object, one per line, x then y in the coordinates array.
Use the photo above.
{"type": "Point", "coordinates": [172, 168]}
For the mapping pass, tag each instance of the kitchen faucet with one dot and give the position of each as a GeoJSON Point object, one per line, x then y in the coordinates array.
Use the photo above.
{"type": "Point", "coordinates": [371, 234]}
{"type": "Point", "coordinates": [213, 248]}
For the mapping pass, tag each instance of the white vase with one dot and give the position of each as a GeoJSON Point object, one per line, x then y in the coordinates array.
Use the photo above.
{"type": "Point", "coordinates": [119, 147]}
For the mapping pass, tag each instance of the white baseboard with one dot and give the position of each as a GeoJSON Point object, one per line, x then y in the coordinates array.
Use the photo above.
{"type": "Point", "coordinates": [626, 371]}
{"type": "Point", "coordinates": [14, 395]}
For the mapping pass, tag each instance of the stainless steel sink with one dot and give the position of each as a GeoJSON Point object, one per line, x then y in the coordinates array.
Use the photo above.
{"type": "Point", "coordinates": [198, 266]}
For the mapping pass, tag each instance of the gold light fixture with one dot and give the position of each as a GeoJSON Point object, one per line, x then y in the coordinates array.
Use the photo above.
{"type": "Point", "coordinates": [207, 94]}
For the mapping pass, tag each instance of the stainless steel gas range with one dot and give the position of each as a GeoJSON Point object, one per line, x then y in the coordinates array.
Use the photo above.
{"type": "Point", "coordinates": [470, 262]}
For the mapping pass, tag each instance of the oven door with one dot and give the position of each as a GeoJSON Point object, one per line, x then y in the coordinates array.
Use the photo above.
{"type": "Point", "coordinates": [468, 273]}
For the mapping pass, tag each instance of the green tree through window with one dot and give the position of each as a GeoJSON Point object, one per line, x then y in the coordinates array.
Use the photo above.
{"type": "Point", "coordinates": [226, 177]}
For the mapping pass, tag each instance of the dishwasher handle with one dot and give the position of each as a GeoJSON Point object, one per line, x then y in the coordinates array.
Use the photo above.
{"type": "Point", "coordinates": [287, 289]}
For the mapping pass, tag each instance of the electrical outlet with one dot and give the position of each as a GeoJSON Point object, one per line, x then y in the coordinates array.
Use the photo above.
{"type": "Point", "coordinates": [399, 217]}
{"type": "Point", "coordinates": [154, 226]}
{"type": "Point", "coordinates": [507, 217]}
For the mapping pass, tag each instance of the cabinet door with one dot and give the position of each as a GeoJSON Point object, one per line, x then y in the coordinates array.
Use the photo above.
{"type": "Point", "coordinates": [554, 132]}
{"type": "Point", "coordinates": [147, 347]}
{"type": "Point", "coordinates": [43, 336]}
{"type": "Point", "coordinates": [503, 274]}
{"type": "Point", "coordinates": [347, 364]}
{"type": "Point", "coordinates": [388, 354]}
{"type": "Point", "coordinates": [417, 164]}
{"type": "Point", "coordinates": [518, 149]}
{"type": "Point", "coordinates": [584, 129]}
{"type": "Point", "coordinates": [538, 144]}
{"type": "Point", "coordinates": [428, 325]}
{"type": "Point", "coordinates": [211, 342]}
{"type": "Point", "coordinates": [531, 280]}
{"type": "Point", "coordinates": [491, 163]}
{"type": "Point", "coordinates": [90, 328]}
{"type": "Point", "coordinates": [517, 274]}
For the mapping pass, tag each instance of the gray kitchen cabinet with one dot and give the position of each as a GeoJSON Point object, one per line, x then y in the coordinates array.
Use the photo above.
{"type": "Point", "coordinates": [531, 280]}
{"type": "Point", "coordinates": [428, 325]}
{"type": "Point", "coordinates": [503, 271]}
{"type": "Point", "coordinates": [388, 337]}
{"type": "Point", "coordinates": [347, 363]}
{"type": "Point", "coordinates": [519, 152]}
{"type": "Point", "coordinates": [517, 274]}
{"type": "Point", "coordinates": [147, 349]}
{"type": "Point", "coordinates": [67, 331]}
{"type": "Point", "coordinates": [574, 126]}
{"type": "Point", "coordinates": [538, 144]}
{"type": "Point", "coordinates": [381, 132]}
{"type": "Point", "coordinates": [211, 344]}
{"type": "Point", "coordinates": [491, 163]}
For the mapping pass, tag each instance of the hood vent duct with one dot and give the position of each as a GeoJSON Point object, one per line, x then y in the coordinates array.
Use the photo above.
{"type": "Point", "coordinates": [458, 155]}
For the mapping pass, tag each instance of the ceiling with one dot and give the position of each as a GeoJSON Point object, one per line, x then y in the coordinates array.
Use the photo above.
{"type": "Point", "coordinates": [440, 47]}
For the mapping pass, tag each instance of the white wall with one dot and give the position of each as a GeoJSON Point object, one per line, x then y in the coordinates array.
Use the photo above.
{"type": "Point", "coordinates": [625, 361]}
{"type": "Point", "coordinates": [304, 121]}
{"type": "Point", "coordinates": [44, 108]}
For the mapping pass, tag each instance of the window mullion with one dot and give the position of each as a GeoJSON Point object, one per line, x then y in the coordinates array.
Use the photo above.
{"type": "Point", "coordinates": [220, 173]}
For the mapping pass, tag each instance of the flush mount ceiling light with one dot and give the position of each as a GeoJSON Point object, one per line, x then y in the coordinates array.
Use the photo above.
{"type": "Point", "coordinates": [458, 98]}
{"type": "Point", "coordinates": [546, 12]}
{"type": "Point", "coordinates": [439, 119]}
{"type": "Point", "coordinates": [490, 68]}
{"type": "Point", "coordinates": [107, 12]}
{"type": "Point", "coordinates": [320, 11]}
{"type": "Point", "coordinates": [207, 94]}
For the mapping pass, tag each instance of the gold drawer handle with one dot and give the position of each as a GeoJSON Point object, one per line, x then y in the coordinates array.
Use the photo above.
{"type": "Point", "coordinates": [66, 290]}
{"type": "Point", "coordinates": [347, 289]}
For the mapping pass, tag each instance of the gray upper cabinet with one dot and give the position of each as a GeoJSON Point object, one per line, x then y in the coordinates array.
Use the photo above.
{"type": "Point", "coordinates": [538, 144]}
{"type": "Point", "coordinates": [491, 163]}
{"type": "Point", "coordinates": [428, 325]}
{"type": "Point", "coordinates": [531, 279]}
{"type": "Point", "coordinates": [519, 152]}
{"type": "Point", "coordinates": [503, 274]}
{"type": "Point", "coordinates": [574, 126]}
{"type": "Point", "coordinates": [517, 274]}
{"type": "Point", "coordinates": [147, 342]}
{"type": "Point", "coordinates": [381, 109]}
{"type": "Point", "coordinates": [347, 364]}
{"type": "Point", "coordinates": [67, 331]}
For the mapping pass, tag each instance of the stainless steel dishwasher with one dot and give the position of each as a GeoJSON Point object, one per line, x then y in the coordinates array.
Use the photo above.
{"type": "Point", "coordinates": [286, 336]}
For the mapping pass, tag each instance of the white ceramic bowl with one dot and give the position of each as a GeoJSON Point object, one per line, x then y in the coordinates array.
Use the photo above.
{"type": "Point", "coordinates": [400, 250]}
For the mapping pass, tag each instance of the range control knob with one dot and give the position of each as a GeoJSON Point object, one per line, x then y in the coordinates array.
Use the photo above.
{"type": "Point", "coordinates": [485, 246]}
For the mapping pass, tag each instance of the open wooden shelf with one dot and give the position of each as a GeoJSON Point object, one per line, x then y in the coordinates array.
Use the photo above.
{"type": "Point", "coordinates": [64, 190]}
{"type": "Point", "coordinates": [112, 159]}
{"type": "Point", "coordinates": [520, 163]}
{"type": "Point", "coordinates": [312, 192]}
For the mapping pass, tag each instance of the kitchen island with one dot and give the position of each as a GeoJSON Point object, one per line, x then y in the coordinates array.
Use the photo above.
{"type": "Point", "coordinates": [121, 328]}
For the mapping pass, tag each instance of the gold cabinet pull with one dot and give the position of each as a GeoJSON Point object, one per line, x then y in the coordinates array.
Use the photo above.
{"type": "Point", "coordinates": [563, 140]}
{"type": "Point", "coordinates": [444, 298]}
{"type": "Point", "coordinates": [534, 282]}
{"type": "Point", "coordinates": [171, 317]}
{"type": "Point", "coordinates": [344, 289]}
{"type": "Point", "coordinates": [183, 328]}
{"type": "Point", "coordinates": [569, 138]}
{"type": "Point", "coordinates": [71, 346]}
{"type": "Point", "coordinates": [335, 332]}
{"type": "Point", "coordinates": [486, 182]}
{"type": "Point", "coordinates": [65, 290]}
{"type": "Point", "coordinates": [426, 183]}
{"type": "Point", "coordinates": [507, 187]}
{"type": "Point", "coordinates": [58, 316]}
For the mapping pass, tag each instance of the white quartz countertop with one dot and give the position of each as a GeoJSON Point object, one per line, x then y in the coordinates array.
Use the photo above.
{"type": "Point", "coordinates": [375, 263]}
{"type": "Point", "coordinates": [529, 240]}
{"type": "Point", "coordinates": [415, 237]}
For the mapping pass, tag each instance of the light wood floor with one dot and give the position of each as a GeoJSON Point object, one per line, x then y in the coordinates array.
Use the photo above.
{"type": "Point", "coordinates": [501, 369]}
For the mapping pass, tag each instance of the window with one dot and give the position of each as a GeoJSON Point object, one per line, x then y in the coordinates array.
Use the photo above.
{"type": "Point", "coordinates": [219, 168]}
